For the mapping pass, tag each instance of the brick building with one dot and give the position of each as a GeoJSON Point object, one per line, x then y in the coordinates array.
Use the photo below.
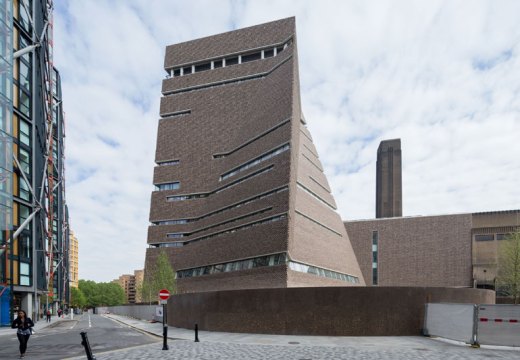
{"type": "Point", "coordinates": [447, 250]}
{"type": "Point", "coordinates": [241, 199]}
{"type": "Point", "coordinates": [139, 277]}
{"type": "Point", "coordinates": [127, 282]}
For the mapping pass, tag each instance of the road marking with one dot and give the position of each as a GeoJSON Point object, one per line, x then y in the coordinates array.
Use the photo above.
{"type": "Point", "coordinates": [89, 322]}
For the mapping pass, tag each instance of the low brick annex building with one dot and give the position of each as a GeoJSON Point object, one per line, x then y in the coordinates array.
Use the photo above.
{"type": "Point", "coordinates": [241, 199]}
{"type": "Point", "coordinates": [446, 250]}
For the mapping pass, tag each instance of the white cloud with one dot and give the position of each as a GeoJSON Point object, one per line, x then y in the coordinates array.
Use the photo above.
{"type": "Point", "coordinates": [442, 76]}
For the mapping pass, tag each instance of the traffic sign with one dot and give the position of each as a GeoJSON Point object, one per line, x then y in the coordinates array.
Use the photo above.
{"type": "Point", "coordinates": [164, 294]}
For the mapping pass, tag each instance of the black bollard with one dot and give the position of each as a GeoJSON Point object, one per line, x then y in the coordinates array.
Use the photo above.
{"type": "Point", "coordinates": [86, 345]}
{"type": "Point", "coordinates": [197, 333]}
{"type": "Point", "coordinates": [165, 329]}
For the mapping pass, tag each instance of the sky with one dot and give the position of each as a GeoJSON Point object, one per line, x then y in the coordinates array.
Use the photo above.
{"type": "Point", "coordinates": [444, 76]}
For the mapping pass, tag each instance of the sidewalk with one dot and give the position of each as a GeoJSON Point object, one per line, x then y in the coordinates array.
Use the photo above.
{"type": "Point", "coordinates": [265, 339]}
{"type": "Point", "coordinates": [231, 346]}
{"type": "Point", "coordinates": [37, 325]}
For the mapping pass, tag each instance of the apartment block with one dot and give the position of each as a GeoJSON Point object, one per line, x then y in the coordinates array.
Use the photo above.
{"type": "Point", "coordinates": [73, 260]}
{"type": "Point", "coordinates": [34, 238]}
{"type": "Point", "coordinates": [139, 277]}
{"type": "Point", "coordinates": [127, 282]}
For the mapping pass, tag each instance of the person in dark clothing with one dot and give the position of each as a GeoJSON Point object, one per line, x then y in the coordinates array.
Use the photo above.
{"type": "Point", "coordinates": [24, 325]}
{"type": "Point", "coordinates": [48, 315]}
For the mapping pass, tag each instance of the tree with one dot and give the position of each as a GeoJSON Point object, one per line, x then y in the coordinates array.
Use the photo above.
{"type": "Point", "coordinates": [77, 298]}
{"type": "Point", "coordinates": [89, 289]}
{"type": "Point", "coordinates": [111, 294]}
{"type": "Point", "coordinates": [509, 266]}
{"type": "Point", "coordinates": [102, 294]}
{"type": "Point", "coordinates": [158, 276]}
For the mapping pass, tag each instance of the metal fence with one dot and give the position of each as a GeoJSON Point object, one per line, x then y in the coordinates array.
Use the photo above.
{"type": "Point", "coordinates": [143, 312]}
{"type": "Point", "coordinates": [474, 324]}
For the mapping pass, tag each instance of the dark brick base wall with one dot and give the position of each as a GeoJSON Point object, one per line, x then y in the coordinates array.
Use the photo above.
{"type": "Point", "coordinates": [340, 311]}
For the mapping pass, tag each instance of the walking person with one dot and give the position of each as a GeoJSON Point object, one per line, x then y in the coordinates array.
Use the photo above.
{"type": "Point", "coordinates": [48, 315]}
{"type": "Point", "coordinates": [24, 325]}
{"type": "Point", "coordinates": [60, 312]}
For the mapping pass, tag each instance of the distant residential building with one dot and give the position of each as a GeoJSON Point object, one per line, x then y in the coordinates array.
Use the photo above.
{"type": "Point", "coordinates": [139, 277]}
{"type": "Point", "coordinates": [73, 260]}
{"type": "Point", "coordinates": [130, 284]}
{"type": "Point", "coordinates": [127, 282]}
{"type": "Point", "coordinates": [389, 190]}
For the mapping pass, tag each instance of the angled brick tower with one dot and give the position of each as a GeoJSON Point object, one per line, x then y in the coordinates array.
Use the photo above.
{"type": "Point", "coordinates": [241, 200]}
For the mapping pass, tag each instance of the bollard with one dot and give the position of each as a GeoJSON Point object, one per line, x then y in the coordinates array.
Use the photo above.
{"type": "Point", "coordinates": [165, 329]}
{"type": "Point", "coordinates": [86, 344]}
{"type": "Point", "coordinates": [197, 333]}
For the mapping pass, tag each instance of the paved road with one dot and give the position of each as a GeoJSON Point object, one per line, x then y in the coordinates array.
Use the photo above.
{"type": "Point", "coordinates": [62, 339]}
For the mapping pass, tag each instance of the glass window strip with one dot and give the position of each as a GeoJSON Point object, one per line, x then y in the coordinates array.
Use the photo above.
{"type": "Point", "coordinates": [250, 141]}
{"type": "Point", "coordinates": [490, 237]}
{"type": "Point", "coordinates": [248, 56]}
{"type": "Point", "coordinates": [271, 219]}
{"type": "Point", "coordinates": [219, 83]}
{"type": "Point", "coordinates": [168, 162]}
{"type": "Point", "coordinates": [375, 256]}
{"type": "Point", "coordinates": [168, 186]}
{"type": "Point", "coordinates": [264, 157]}
{"type": "Point", "coordinates": [222, 210]}
{"type": "Point", "coordinates": [314, 270]}
{"type": "Point", "coordinates": [245, 264]}
{"type": "Point", "coordinates": [222, 188]}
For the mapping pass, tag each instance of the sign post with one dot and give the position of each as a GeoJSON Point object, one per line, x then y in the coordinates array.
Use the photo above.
{"type": "Point", "coordinates": [164, 294]}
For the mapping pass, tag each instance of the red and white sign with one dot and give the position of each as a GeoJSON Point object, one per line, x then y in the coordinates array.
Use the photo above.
{"type": "Point", "coordinates": [164, 294]}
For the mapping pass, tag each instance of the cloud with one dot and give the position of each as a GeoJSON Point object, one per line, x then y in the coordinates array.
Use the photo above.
{"type": "Point", "coordinates": [442, 76]}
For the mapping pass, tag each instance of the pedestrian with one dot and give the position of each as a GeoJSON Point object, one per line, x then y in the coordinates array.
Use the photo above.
{"type": "Point", "coordinates": [48, 315]}
{"type": "Point", "coordinates": [24, 325]}
{"type": "Point", "coordinates": [60, 312]}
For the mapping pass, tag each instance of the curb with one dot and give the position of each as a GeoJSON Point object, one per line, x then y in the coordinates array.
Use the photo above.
{"type": "Point", "coordinates": [140, 329]}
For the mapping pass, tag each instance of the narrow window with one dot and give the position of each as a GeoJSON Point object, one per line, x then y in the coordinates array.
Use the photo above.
{"type": "Point", "coordinates": [25, 133]}
{"type": "Point", "coordinates": [375, 249]}
{"type": "Point", "coordinates": [217, 64]}
{"type": "Point", "coordinates": [187, 70]}
{"type": "Point", "coordinates": [268, 53]}
{"type": "Point", "coordinates": [168, 186]}
{"type": "Point", "coordinates": [176, 72]}
{"type": "Point", "coordinates": [251, 57]}
{"type": "Point", "coordinates": [484, 237]}
{"type": "Point", "coordinates": [232, 61]}
{"type": "Point", "coordinates": [203, 67]}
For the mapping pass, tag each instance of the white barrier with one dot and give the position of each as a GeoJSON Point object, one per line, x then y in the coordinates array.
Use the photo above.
{"type": "Point", "coordinates": [474, 324]}
{"type": "Point", "coordinates": [143, 312]}
{"type": "Point", "coordinates": [498, 325]}
{"type": "Point", "coordinates": [451, 321]}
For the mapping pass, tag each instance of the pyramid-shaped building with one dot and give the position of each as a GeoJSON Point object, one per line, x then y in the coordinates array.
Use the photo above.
{"type": "Point", "coordinates": [241, 200]}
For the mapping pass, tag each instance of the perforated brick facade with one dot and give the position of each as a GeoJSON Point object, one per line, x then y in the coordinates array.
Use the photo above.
{"type": "Point", "coordinates": [250, 183]}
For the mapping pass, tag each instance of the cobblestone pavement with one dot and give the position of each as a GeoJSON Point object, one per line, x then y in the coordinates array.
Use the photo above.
{"type": "Point", "coordinates": [412, 349]}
